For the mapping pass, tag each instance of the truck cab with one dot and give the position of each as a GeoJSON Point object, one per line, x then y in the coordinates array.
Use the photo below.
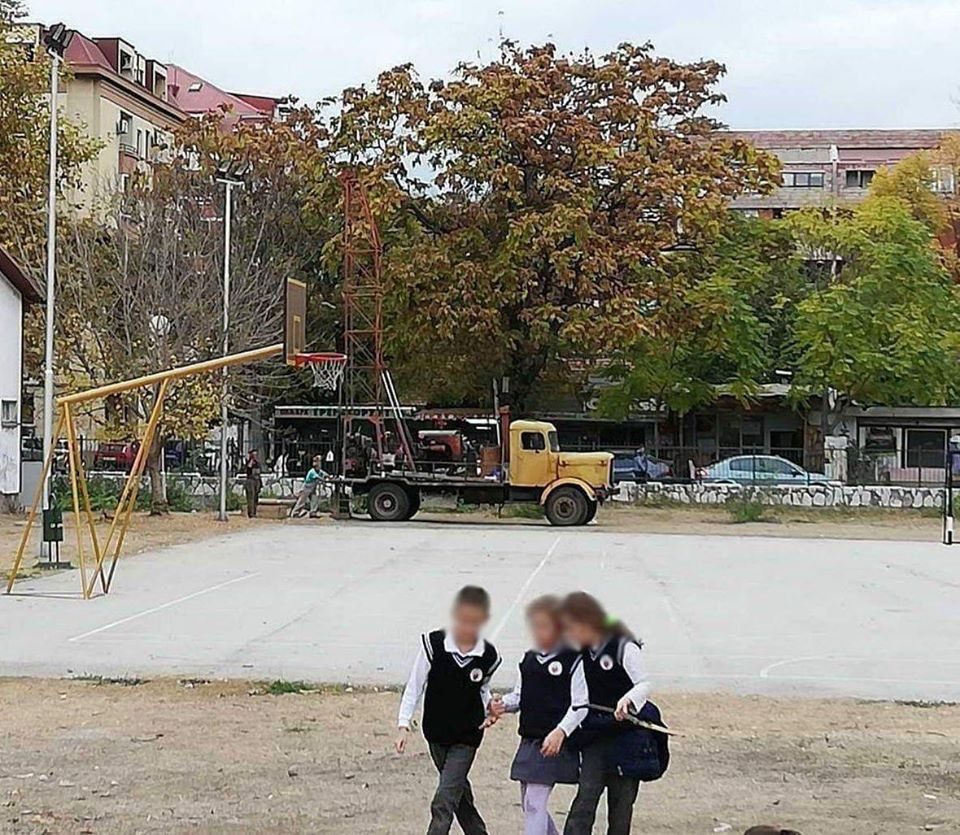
{"type": "Point", "coordinates": [569, 485]}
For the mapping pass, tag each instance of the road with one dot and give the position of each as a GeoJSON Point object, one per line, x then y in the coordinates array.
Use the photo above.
{"type": "Point", "coordinates": [345, 602]}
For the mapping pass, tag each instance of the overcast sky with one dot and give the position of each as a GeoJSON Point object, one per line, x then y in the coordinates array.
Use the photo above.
{"type": "Point", "coordinates": [805, 63]}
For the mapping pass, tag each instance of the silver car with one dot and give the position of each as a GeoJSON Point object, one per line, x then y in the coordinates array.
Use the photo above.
{"type": "Point", "coordinates": [759, 469]}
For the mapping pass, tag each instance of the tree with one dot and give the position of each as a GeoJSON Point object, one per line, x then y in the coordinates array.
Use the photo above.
{"type": "Point", "coordinates": [24, 131]}
{"type": "Point", "coordinates": [887, 330]}
{"type": "Point", "coordinates": [526, 204]}
{"type": "Point", "coordinates": [144, 293]}
{"type": "Point", "coordinates": [721, 320]}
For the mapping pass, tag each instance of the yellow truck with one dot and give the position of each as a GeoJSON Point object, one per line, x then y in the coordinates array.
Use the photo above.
{"type": "Point", "coordinates": [527, 466]}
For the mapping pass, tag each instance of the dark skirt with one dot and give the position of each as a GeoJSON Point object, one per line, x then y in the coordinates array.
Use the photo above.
{"type": "Point", "coordinates": [530, 766]}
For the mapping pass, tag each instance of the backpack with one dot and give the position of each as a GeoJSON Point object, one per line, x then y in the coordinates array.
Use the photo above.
{"type": "Point", "coordinates": [641, 752]}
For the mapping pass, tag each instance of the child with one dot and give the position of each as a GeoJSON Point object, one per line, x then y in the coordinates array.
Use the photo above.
{"type": "Point", "coordinates": [452, 673]}
{"type": "Point", "coordinates": [311, 489]}
{"type": "Point", "coordinates": [542, 696]}
{"type": "Point", "coordinates": [615, 676]}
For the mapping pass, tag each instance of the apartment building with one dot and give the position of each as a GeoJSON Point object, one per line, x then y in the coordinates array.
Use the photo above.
{"type": "Point", "coordinates": [197, 97]}
{"type": "Point", "coordinates": [118, 96]}
{"type": "Point", "coordinates": [832, 166]}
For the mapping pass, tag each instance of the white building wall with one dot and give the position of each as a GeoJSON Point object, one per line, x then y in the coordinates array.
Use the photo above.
{"type": "Point", "coordinates": [11, 352]}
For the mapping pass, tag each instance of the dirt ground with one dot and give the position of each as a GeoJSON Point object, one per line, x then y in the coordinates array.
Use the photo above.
{"type": "Point", "coordinates": [167, 756]}
{"type": "Point", "coordinates": [146, 533]}
{"type": "Point", "coordinates": [706, 520]}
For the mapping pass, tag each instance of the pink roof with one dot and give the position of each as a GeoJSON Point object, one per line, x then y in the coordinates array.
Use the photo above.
{"type": "Point", "coordinates": [197, 96]}
{"type": "Point", "coordinates": [84, 52]}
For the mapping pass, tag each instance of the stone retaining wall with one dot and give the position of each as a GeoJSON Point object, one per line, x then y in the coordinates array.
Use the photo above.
{"type": "Point", "coordinates": [788, 496]}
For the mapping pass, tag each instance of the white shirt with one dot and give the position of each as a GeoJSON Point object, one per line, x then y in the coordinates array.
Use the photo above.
{"type": "Point", "coordinates": [417, 683]}
{"type": "Point", "coordinates": [636, 668]}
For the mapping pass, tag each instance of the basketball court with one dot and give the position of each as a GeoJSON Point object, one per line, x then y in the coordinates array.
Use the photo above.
{"type": "Point", "coordinates": [344, 602]}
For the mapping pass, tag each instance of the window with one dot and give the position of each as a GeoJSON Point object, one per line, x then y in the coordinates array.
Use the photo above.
{"type": "Point", "coordinates": [859, 178]}
{"type": "Point", "coordinates": [926, 447]}
{"type": "Point", "coordinates": [803, 179]}
{"type": "Point", "coordinates": [776, 467]}
{"type": "Point", "coordinates": [139, 143]}
{"type": "Point", "coordinates": [554, 441]}
{"type": "Point", "coordinates": [942, 180]}
{"type": "Point", "coordinates": [8, 413]}
{"type": "Point", "coordinates": [532, 441]}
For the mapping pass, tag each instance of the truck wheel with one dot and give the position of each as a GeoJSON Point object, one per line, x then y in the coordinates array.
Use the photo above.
{"type": "Point", "coordinates": [592, 512]}
{"type": "Point", "coordinates": [413, 496]}
{"type": "Point", "coordinates": [567, 506]}
{"type": "Point", "coordinates": [388, 503]}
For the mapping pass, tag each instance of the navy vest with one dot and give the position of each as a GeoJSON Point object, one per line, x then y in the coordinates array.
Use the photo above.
{"type": "Point", "coordinates": [544, 691]}
{"type": "Point", "coordinates": [607, 680]}
{"type": "Point", "coordinates": [453, 709]}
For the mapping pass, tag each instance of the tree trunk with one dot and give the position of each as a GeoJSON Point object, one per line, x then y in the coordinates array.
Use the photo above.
{"type": "Point", "coordinates": [158, 493]}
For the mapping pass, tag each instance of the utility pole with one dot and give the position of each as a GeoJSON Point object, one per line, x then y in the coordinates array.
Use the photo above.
{"type": "Point", "coordinates": [231, 175]}
{"type": "Point", "coordinates": [56, 39]}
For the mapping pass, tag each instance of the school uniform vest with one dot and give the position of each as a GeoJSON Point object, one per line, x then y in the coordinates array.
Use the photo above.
{"type": "Point", "coordinates": [544, 691]}
{"type": "Point", "coordinates": [607, 680]}
{"type": "Point", "coordinates": [453, 708]}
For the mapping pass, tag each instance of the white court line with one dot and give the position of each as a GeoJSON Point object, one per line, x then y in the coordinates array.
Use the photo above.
{"type": "Point", "coordinates": [160, 608]}
{"type": "Point", "coordinates": [765, 672]}
{"type": "Point", "coordinates": [523, 590]}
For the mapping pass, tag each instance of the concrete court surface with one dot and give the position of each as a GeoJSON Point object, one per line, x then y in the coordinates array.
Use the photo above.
{"type": "Point", "coordinates": [345, 602]}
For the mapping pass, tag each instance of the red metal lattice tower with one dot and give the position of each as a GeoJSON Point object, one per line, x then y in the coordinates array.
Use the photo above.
{"type": "Point", "coordinates": [367, 388]}
{"type": "Point", "coordinates": [362, 304]}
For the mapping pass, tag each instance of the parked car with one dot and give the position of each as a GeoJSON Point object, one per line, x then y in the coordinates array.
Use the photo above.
{"type": "Point", "coordinates": [640, 468]}
{"type": "Point", "coordinates": [115, 455]}
{"type": "Point", "coordinates": [759, 469]}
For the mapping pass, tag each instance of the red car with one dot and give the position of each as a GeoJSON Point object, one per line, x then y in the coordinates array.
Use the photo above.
{"type": "Point", "coordinates": [115, 455]}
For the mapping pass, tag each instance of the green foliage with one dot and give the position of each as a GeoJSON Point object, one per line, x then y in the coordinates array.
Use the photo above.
{"type": "Point", "coordinates": [719, 320]}
{"type": "Point", "coordinates": [743, 511]}
{"type": "Point", "coordinates": [887, 329]}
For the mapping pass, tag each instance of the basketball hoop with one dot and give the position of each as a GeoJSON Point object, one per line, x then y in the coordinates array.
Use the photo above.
{"type": "Point", "coordinates": [327, 368]}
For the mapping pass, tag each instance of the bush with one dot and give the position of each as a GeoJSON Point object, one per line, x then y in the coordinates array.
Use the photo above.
{"type": "Point", "coordinates": [522, 510]}
{"type": "Point", "coordinates": [742, 511]}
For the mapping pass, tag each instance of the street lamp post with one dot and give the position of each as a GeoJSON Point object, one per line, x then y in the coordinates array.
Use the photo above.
{"type": "Point", "coordinates": [231, 175]}
{"type": "Point", "coordinates": [56, 40]}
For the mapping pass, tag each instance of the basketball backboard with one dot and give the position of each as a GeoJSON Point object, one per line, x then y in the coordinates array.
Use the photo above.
{"type": "Point", "coordinates": [295, 318]}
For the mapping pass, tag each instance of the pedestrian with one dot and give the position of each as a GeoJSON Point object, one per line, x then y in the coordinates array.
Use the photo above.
{"type": "Point", "coordinates": [542, 696]}
{"type": "Point", "coordinates": [310, 491]}
{"type": "Point", "coordinates": [452, 674]}
{"type": "Point", "coordinates": [252, 483]}
{"type": "Point", "coordinates": [615, 677]}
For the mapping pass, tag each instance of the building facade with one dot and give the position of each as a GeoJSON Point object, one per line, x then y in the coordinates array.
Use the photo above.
{"type": "Point", "coordinates": [823, 167]}
{"type": "Point", "coordinates": [17, 290]}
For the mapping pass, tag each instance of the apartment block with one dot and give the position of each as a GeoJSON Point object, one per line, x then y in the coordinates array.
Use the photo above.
{"type": "Point", "coordinates": [821, 167]}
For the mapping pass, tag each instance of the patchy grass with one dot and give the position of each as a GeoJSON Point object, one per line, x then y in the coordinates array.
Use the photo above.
{"type": "Point", "coordinates": [744, 512]}
{"type": "Point", "coordinates": [280, 687]}
{"type": "Point", "coordinates": [522, 510]}
{"type": "Point", "coordinates": [119, 681]}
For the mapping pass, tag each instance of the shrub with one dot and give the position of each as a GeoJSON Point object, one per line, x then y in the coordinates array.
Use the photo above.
{"type": "Point", "coordinates": [742, 511]}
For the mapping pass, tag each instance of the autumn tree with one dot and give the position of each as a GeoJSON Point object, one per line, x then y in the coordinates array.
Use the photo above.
{"type": "Point", "coordinates": [887, 329]}
{"type": "Point", "coordinates": [527, 204]}
{"type": "Point", "coordinates": [24, 131]}
{"type": "Point", "coordinates": [142, 288]}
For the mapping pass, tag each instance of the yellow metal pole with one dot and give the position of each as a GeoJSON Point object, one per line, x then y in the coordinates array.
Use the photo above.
{"type": "Point", "coordinates": [37, 498]}
{"type": "Point", "coordinates": [173, 374]}
{"type": "Point", "coordinates": [88, 510]}
{"type": "Point", "coordinates": [136, 471]}
{"type": "Point", "coordinates": [134, 481]}
{"type": "Point", "coordinates": [72, 448]}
